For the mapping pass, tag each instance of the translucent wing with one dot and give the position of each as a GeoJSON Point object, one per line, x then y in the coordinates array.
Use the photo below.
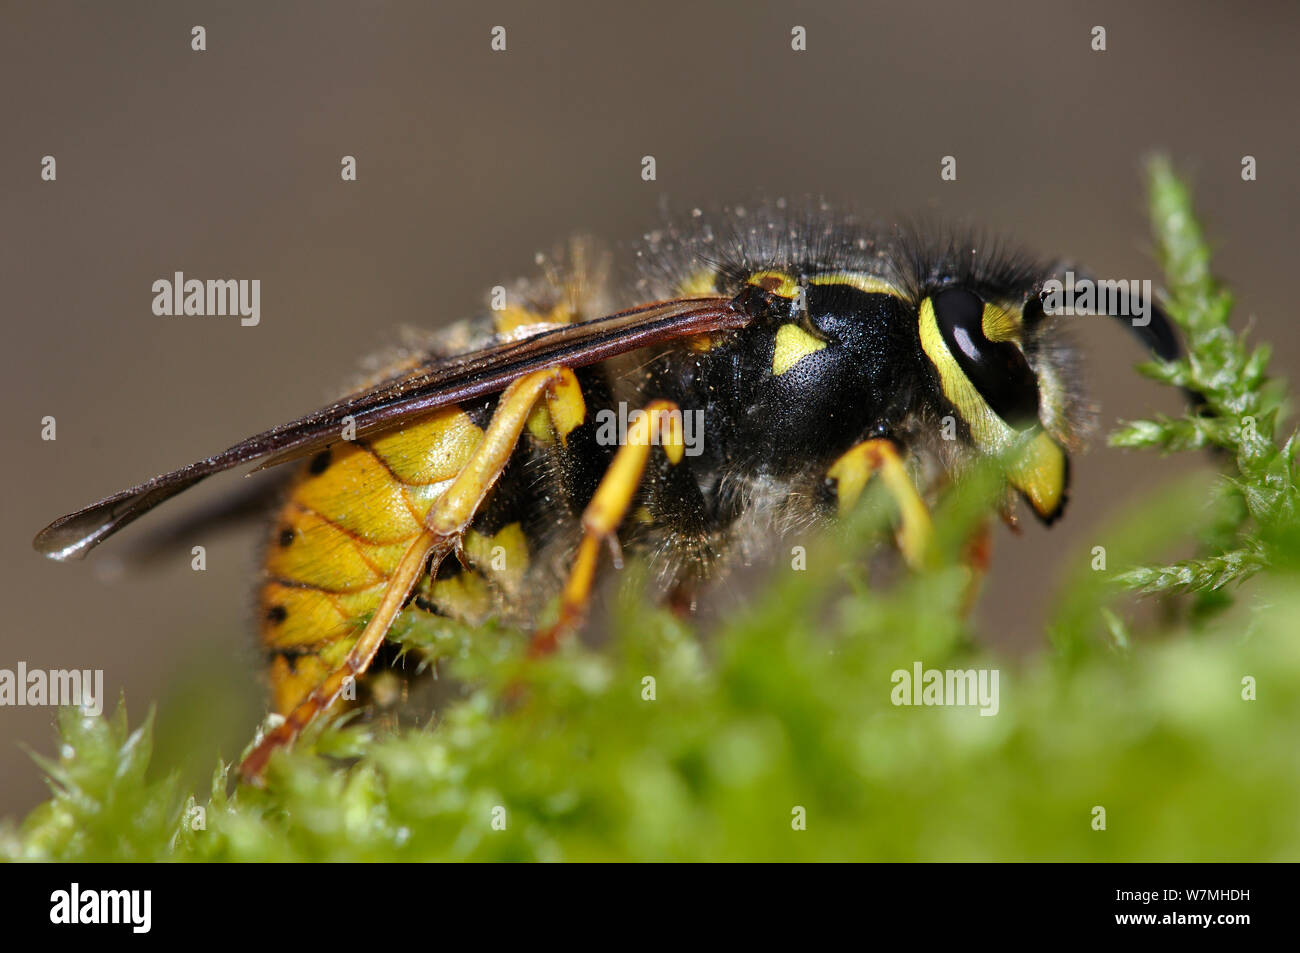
{"type": "Point", "coordinates": [385, 405]}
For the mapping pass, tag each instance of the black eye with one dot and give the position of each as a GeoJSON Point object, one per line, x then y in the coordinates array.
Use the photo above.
{"type": "Point", "coordinates": [998, 369]}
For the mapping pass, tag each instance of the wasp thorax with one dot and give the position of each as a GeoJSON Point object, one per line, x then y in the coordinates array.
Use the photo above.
{"type": "Point", "coordinates": [830, 362]}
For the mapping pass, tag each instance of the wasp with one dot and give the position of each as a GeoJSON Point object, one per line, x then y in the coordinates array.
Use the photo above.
{"type": "Point", "coordinates": [480, 478]}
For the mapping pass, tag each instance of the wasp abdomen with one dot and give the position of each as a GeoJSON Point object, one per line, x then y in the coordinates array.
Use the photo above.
{"type": "Point", "coordinates": [346, 521]}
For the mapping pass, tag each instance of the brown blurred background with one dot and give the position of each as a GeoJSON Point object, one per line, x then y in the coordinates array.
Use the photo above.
{"type": "Point", "coordinates": [225, 163]}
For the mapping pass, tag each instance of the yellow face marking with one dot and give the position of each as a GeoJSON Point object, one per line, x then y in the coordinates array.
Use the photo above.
{"type": "Point", "coordinates": [1038, 463]}
{"type": "Point", "coordinates": [1000, 324]}
{"type": "Point", "coordinates": [775, 282]}
{"type": "Point", "coordinates": [992, 434]}
{"type": "Point", "coordinates": [856, 279]}
{"type": "Point", "coordinates": [793, 344]}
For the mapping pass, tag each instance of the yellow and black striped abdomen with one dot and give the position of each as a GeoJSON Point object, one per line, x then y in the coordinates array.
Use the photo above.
{"type": "Point", "coordinates": [348, 517]}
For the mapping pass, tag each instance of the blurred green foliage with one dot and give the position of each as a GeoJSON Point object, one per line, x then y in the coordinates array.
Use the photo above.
{"type": "Point", "coordinates": [1182, 728]}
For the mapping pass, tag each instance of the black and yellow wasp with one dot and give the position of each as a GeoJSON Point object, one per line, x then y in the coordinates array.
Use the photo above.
{"type": "Point", "coordinates": [813, 351]}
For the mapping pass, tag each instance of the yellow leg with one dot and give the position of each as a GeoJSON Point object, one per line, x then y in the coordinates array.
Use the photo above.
{"type": "Point", "coordinates": [862, 461]}
{"type": "Point", "coordinates": [454, 510]}
{"type": "Point", "coordinates": [444, 527]}
{"type": "Point", "coordinates": [660, 424]}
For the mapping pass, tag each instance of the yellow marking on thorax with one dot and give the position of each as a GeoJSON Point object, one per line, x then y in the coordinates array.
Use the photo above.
{"type": "Point", "coordinates": [702, 343]}
{"type": "Point", "coordinates": [860, 280]}
{"type": "Point", "coordinates": [515, 321]}
{"type": "Point", "coordinates": [702, 283]}
{"type": "Point", "coordinates": [793, 344]}
{"type": "Point", "coordinates": [775, 282]}
{"type": "Point", "coordinates": [785, 285]}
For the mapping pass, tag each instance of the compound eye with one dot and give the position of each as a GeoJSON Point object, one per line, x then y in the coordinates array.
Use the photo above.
{"type": "Point", "coordinates": [997, 369]}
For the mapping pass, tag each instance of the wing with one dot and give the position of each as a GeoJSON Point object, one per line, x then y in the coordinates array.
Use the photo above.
{"type": "Point", "coordinates": [254, 500]}
{"type": "Point", "coordinates": [385, 405]}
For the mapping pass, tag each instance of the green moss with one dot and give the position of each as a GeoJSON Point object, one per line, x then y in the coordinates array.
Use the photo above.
{"type": "Point", "coordinates": [787, 709]}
